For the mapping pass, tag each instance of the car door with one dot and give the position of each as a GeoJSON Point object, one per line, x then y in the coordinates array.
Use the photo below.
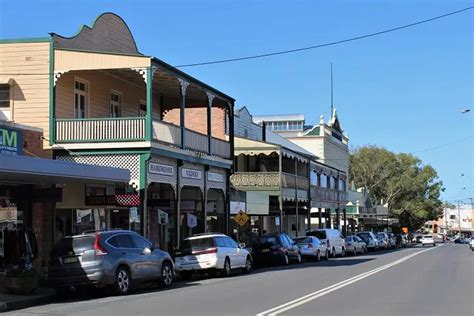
{"type": "Point", "coordinates": [149, 262]}
{"type": "Point", "coordinates": [240, 254]}
{"type": "Point", "coordinates": [231, 252]}
{"type": "Point", "coordinates": [130, 255]}
{"type": "Point", "coordinates": [292, 247]}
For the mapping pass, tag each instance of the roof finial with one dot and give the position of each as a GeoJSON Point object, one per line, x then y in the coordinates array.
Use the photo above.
{"type": "Point", "coordinates": [321, 119]}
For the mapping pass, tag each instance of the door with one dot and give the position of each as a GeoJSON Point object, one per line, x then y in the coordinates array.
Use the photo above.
{"type": "Point", "coordinates": [115, 104]}
{"type": "Point", "coordinates": [240, 256]}
{"type": "Point", "coordinates": [131, 255]}
{"type": "Point", "coordinates": [150, 263]}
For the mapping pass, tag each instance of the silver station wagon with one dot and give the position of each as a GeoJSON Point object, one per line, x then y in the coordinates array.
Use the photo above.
{"type": "Point", "coordinates": [118, 259]}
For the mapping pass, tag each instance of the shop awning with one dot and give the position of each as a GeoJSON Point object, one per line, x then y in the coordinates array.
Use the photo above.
{"type": "Point", "coordinates": [22, 169]}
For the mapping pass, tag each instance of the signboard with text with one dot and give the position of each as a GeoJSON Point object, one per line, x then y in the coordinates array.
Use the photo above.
{"type": "Point", "coordinates": [191, 173]}
{"type": "Point", "coordinates": [159, 168]}
{"type": "Point", "coordinates": [11, 141]}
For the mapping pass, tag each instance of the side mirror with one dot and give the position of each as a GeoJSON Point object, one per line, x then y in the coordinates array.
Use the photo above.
{"type": "Point", "coordinates": [242, 245]}
{"type": "Point", "coordinates": [147, 251]}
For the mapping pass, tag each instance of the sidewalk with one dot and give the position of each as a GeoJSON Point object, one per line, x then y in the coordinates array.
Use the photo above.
{"type": "Point", "coordinates": [10, 302]}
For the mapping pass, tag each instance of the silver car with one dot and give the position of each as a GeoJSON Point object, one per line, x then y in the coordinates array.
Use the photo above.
{"type": "Point", "coordinates": [312, 247]}
{"type": "Point", "coordinates": [116, 259]}
{"type": "Point", "coordinates": [355, 245]}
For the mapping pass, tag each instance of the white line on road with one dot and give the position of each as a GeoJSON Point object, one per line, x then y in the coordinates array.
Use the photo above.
{"type": "Point", "coordinates": [312, 296]}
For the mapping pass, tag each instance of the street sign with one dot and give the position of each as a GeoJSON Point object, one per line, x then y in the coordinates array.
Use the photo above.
{"type": "Point", "coordinates": [241, 218]}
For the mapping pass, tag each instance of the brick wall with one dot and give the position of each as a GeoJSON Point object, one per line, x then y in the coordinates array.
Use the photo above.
{"type": "Point", "coordinates": [196, 120]}
{"type": "Point", "coordinates": [33, 144]}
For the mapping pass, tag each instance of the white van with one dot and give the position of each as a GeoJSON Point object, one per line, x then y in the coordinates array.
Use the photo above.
{"type": "Point", "coordinates": [333, 239]}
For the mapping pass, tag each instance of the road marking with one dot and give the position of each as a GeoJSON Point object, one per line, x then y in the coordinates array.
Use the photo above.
{"type": "Point", "coordinates": [312, 296]}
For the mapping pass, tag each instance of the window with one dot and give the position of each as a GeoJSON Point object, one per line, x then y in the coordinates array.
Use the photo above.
{"type": "Point", "coordinates": [323, 181]}
{"type": "Point", "coordinates": [140, 243]}
{"type": "Point", "coordinates": [115, 104]}
{"type": "Point", "coordinates": [452, 216]}
{"type": "Point", "coordinates": [4, 96]}
{"type": "Point", "coordinates": [81, 95]}
{"type": "Point", "coordinates": [114, 242]}
{"type": "Point", "coordinates": [313, 178]}
{"type": "Point", "coordinates": [125, 241]}
{"type": "Point", "coordinates": [220, 242]}
{"type": "Point", "coordinates": [232, 242]}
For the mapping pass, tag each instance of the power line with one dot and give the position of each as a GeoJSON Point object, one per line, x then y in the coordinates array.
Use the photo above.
{"type": "Point", "coordinates": [324, 44]}
{"type": "Point", "coordinates": [444, 145]}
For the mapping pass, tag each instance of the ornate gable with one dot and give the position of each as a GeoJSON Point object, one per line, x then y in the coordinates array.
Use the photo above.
{"type": "Point", "coordinates": [109, 33]}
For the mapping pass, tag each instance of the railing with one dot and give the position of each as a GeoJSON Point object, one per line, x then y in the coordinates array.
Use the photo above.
{"type": "Point", "coordinates": [167, 133]}
{"type": "Point", "coordinates": [196, 141]}
{"type": "Point", "coordinates": [220, 148]}
{"type": "Point", "coordinates": [256, 179]}
{"type": "Point", "coordinates": [325, 194]}
{"type": "Point", "coordinates": [114, 129]}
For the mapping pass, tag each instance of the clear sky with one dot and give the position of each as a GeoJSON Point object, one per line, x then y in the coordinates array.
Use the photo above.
{"type": "Point", "coordinates": [403, 90]}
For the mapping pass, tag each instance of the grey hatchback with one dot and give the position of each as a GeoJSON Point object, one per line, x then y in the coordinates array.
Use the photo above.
{"type": "Point", "coordinates": [118, 259]}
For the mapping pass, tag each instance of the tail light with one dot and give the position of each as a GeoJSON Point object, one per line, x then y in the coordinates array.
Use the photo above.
{"type": "Point", "coordinates": [98, 249]}
{"type": "Point", "coordinates": [205, 251]}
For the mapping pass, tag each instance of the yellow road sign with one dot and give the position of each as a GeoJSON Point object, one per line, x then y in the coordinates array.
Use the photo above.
{"type": "Point", "coordinates": [241, 218]}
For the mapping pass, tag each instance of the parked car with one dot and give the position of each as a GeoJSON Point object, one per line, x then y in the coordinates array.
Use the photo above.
{"type": "Point", "coordinates": [471, 243]}
{"type": "Point", "coordinates": [427, 240]}
{"type": "Point", "coordinates": [401, 241]}
{"type": "Point", "coordinates": [276, 248]}
{"type": "Point", "coordinates": [311, 247]}
{"type": "Point", "coordinates": [418, 239]}
{"type": "Point", "coordinates": [355, 245]}
{"type": "Point", "coordinates": [383, 240]}
{"type": "Point", "coordinates": [370, 240]}
{"type": "Point", "coordinates": [212, 253]}
{"type": "Point", "coordinates": [461, 241]}
{"type": "Point", "coordinates": [392, 240]}
{"type": "Point", "coordinates": [117, 258]}
{"type": "Point", "coordinates": [332, 238]}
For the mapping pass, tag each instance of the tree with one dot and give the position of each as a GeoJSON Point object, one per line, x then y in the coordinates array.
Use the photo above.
{"type": "Point", "coordinates": [400, 180]}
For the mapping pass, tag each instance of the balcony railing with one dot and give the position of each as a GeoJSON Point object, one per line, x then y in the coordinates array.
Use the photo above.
{"type": "Point", "coordinates": [256, 179]}
{"type": "Point", "coordinates": [120, 129]}
{"type": "Point", "coordinates": [96, 130]}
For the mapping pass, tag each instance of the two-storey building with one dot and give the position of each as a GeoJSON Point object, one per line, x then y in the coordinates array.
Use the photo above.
{"type": "Point", "coordinates": [100, 101]}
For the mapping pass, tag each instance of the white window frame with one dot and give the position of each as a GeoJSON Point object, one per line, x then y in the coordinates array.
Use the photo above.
{"type": "Point", "coordinates": [119, 103]}
{"type": "Point", "coordinates": [86, 95]}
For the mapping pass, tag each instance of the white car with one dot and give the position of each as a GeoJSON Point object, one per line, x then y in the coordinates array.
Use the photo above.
{"type": "Point", "coordinates": [471, 243]}
{"type": "Point", "coordinates": [212, 253]}
{"type": "Point", "coordinates": [312, 247]}
{"type": "Point", "coordinates": [427, 240]}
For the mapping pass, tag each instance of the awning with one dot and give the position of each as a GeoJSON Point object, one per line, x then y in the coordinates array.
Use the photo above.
{"type": "Point", "coordinates": [22, 169]}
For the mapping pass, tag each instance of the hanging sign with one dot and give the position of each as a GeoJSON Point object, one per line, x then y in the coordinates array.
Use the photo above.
{"type": "Point", "coordinates": [191, 173]}
{"type": "Point", "coordinates": [191, 220]}
{"type": "Point", "coordinates": [159, 168]}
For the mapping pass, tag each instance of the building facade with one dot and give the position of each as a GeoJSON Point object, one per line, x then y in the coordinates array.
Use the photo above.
{"type": "Point", "coordinates": [99, 101]}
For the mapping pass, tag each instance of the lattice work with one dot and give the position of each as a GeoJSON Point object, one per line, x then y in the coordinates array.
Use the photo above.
{"type": "Point", "coordinates": [130, 162]}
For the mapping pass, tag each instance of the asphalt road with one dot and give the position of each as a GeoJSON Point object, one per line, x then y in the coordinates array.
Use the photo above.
{"type": "Point", "coordinates": [412, 281]}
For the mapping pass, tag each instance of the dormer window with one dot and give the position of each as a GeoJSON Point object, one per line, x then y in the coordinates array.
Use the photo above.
{"type": "Point", "coordinates": [4, 96]}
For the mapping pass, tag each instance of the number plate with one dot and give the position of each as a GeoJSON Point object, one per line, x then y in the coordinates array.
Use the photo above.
{"type": "Point", "coordinates": [265, 250]}
{"type": "Point", "coordinates": [70, 260]}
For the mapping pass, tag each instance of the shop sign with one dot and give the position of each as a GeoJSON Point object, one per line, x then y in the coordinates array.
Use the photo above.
{"type": "Point", "coordinates": [11, 141]}
{"type": "Point", "coordinates": [236, 207]}
{"type": "Point", "coordinates": [215, 177]}
{"type": "Point", "coordinates": [158, 168]}
{"type": "Point", "coordinates": [191, 220]}
{"type": "Point", "coordinates": [113, 200]}
{"type": "Point", "coordinates": [277, 221]}
{"type": "Point", "coordinates": [191, 173]}
{"type": "Point", "coordinates": [8, 214]}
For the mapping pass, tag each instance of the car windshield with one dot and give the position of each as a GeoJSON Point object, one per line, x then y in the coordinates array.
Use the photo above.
{"type": "Point", "coordinates": [364, 236]}
{"type": "Point", "coordinates": [320, 234]}
{"type": "Point", "coordinates": [269, 240]}
{"type": "Point", "coordinates": [73, 245]}
{"type": "Point", "coordinates": [190, 245]}
{"type": "Point", "coordinates": [303, 240]}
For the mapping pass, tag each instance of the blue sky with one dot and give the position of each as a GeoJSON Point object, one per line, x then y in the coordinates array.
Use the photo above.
{"type": "Point", "coordinates": [402, 90]}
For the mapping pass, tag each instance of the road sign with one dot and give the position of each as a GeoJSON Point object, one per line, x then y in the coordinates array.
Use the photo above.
{"type": "Point", "coordinates": [241, 218]}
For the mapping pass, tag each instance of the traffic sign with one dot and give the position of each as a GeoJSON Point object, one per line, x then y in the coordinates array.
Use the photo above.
{"type": "Point", "coordinates": [241, 218]}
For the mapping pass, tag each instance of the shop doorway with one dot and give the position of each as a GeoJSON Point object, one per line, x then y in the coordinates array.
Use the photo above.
{"type": "Point", "coordinates": [191, 212]}
{"type": "Point", "coordinates": [215, 209]}
{"type": "Point", "coordinates": [162, 215]}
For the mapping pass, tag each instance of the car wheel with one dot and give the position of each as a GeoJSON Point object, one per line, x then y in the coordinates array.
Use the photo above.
{"type": "Point", "coordinates": [248, 265]}
{"type": "Point", "coordinates": [122, 281]}
{"type": "Point", "coordinates": [286, 260]}
{"type": "Point", "coordinates": [298, 258]}
{"type": "Point", "coordinates": [318, 256]}
{"type": "Point", "coordinates": [227, 269]}
{"type": "Point", "coordinates": [166, 278]}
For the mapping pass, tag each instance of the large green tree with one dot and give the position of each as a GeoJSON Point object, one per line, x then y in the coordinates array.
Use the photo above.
{"type": "Point", "coordinates": [410, 188]}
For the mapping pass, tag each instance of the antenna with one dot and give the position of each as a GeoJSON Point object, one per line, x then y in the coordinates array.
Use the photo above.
{"type": "Point", "coordinates": [332, 94]}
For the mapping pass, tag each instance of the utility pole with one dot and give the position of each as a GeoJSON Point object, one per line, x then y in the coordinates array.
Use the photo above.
{"type": "Point", "coordinates": [459, 218]}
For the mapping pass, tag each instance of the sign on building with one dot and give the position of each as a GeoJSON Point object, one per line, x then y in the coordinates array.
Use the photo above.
{"type": "Point", "coordinates": [191, 173]}
{"type": "Point", "coordinates": [11, 141]}
{"type": "Point", "coordinates": [159, 168]}
{"type": "Point", "coordinates": [215, 177]}
{"type": "Point", "coordinates": [191, 220]}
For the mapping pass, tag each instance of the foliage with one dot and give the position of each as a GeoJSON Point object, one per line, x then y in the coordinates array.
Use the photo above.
{"type": "Point", "coordinates": [410, 189]}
